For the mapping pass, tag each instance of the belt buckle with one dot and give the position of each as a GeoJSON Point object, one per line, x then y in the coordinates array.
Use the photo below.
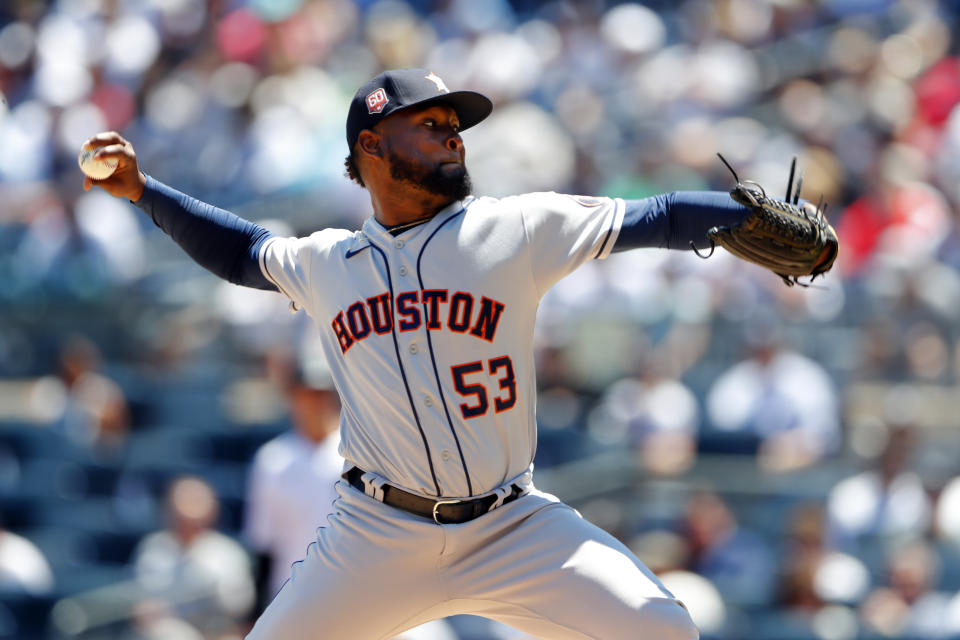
{"type": "Point", "coordinates": [436, 505]}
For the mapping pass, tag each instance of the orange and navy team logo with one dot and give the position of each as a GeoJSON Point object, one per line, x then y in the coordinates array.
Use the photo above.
{"type": "Point", "coordinates": [376, 101]}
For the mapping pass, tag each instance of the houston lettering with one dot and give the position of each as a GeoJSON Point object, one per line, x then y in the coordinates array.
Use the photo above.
{"type": "Point", "coordinates": [438, 309]}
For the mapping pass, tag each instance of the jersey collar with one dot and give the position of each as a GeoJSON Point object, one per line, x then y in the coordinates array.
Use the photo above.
{"type": "Point", "coordinates": [376, 232]}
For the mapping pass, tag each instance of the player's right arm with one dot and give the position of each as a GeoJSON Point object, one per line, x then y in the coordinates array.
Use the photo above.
{"type": "Point", "coordinates": [217, 240]}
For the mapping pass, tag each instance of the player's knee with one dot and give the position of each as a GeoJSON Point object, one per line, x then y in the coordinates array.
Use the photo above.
{"type": "Point", "coordinates": [670, 619]}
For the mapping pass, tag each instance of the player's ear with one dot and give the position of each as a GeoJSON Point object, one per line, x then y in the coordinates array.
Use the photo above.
{"type": "Point", "coordinates": [369, 143]}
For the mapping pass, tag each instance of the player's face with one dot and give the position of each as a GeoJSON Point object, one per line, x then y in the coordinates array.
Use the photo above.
{"type": "Point", "coordinates": [424, 148]}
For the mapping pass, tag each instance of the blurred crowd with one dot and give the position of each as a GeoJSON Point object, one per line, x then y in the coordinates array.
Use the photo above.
{"type": "Point", "coordinates": [785, 458]}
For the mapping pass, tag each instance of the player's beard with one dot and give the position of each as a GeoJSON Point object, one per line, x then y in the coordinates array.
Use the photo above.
{"type": "Point", "coordinates": [449, 180]}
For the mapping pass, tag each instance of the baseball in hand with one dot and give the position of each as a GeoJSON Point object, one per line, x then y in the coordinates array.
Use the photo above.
{"type": "Point", "coordinates": [95, 168]}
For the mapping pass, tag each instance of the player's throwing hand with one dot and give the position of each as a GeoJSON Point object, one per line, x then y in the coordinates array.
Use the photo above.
{"type": "Point", "coordinates": [126, 181]}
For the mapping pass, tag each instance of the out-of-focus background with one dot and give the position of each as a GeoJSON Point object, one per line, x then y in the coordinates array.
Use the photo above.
{"type": "Point", "coordinates": [787, 459]}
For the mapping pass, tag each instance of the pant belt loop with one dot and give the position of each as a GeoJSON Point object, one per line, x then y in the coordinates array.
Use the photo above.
{"type": "Point", "coordinates": [502, 493]}
{"type": "Point", "coordinates": [373, 485]}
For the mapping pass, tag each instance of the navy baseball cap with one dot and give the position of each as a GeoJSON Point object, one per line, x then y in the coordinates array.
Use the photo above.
{"type": "Point", "coordinates": [398, 89]}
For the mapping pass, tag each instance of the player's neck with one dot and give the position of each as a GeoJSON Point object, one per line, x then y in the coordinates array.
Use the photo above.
{"type": "Point", "coordinates": [392, 207]}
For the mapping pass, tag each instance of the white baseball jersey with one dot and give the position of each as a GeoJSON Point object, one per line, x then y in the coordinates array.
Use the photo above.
{"type": "Point", "coordinates": [429, 333]}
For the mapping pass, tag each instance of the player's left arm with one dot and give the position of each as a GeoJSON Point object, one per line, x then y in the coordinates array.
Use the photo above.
{"type": "Point", "coordinates": [674, 220]}
{"type": "Point", "coordinates": [564, 231]}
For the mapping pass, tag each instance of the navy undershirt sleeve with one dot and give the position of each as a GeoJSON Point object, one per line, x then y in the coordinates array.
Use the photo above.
{"type": "Point", "coordinates": [217, 240]}
{"type": "Point", "coordinates": [673, 220]}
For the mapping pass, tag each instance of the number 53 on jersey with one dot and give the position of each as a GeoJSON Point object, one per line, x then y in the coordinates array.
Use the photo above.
{"type": "Point", "coordinates": [469, 383]}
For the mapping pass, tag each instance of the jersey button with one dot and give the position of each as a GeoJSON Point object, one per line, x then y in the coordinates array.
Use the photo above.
{"type": "Point", "coordinates": [445, 455]}
{"type": "Point", "coordinates": [413, 348]}
{"type": "Point", "coordinates": [427, 400]}
{"type": "Point", "coordinates": [399, 244]}
{"type": "Point", "coordinates": [403, 271]}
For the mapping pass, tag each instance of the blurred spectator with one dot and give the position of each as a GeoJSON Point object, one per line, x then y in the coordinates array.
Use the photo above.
{"type": "Point", "coordinates": [204, 575]}
{"type": "Point", "coordinates": [560, 401]}
{"type": "Point", "coordinates": [948, 513]}
{"type": "Point", "coordinates": [803, 549]}
{"type": "Point", "coordinates": [154, 620]}
{"type": "Point", "coordinates": [291, 486]}
{"type": "Point", "coordinates": [910, 606]}
{"type": "Point", "coordinates": [61, 250]}
{"type": "Point", "coordinates": [81, 401]}
{"type": "Point", "coordinates": [734, 558]}
{"type": "Point", "coordinates": [23, 568]}
{"type": "Point", "coordinates": [701, 598]}
{"type": "Point", "coordinates": [888, 501]}
{"type": "Point", "coordinates": [77, 247]}
{"type": "Point", "coordinates": [659, 414]}
{"type": "Point", "coordinates": [781, 397]}
{"type": "Point", "coordinates": [666, 554]}
{"type": "Point", "coordinates": [815, 582]}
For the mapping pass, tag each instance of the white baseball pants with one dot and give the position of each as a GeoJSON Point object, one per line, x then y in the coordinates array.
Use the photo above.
{"type": "Point", "coordinates": [534, 564]}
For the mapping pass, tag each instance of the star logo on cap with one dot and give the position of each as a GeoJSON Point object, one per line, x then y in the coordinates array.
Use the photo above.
{"type": "Point", "coordinates": [435, 79]}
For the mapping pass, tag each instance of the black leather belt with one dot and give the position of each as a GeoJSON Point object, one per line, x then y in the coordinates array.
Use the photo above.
{"type": "Point", "coordinates": [440, 511]}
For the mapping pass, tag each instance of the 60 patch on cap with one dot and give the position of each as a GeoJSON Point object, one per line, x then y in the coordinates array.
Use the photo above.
{"type": "Point", "coordinates": [376, 101]}
{"type": "Point", "coordinates": [398, 89]}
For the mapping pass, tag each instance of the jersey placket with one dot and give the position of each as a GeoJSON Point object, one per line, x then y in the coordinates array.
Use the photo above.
{"type": "Point", "coordinates": [402, 264]}
{"type": "Point", "coordinates": [416, 359]}
{"type": "Point", "coordinates": [449, 456]}
{"type": "Point", "coordinates": [382, 253]}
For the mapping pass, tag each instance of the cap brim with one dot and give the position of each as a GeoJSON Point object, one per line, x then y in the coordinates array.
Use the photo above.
{"type": "Point", "coordinates": [471, 107]}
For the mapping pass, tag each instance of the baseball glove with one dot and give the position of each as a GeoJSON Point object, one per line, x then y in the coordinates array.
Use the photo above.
{"type": "Point", "coordinates": [781, 235]}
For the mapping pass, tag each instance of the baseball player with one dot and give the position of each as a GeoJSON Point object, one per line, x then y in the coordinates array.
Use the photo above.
{"type": "Point", "coordinates": [426, 316]}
